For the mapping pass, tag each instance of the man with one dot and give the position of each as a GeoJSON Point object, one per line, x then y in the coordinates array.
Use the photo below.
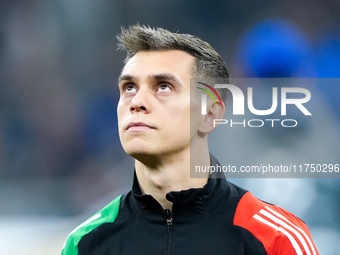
{"type": "Point", "coordinates": [167, 212]}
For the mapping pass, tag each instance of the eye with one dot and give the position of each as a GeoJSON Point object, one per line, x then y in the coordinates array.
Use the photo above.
{"type": "Point", "coordinates": [130, 88]}
{"type": "Point", "coordinates": [164, 87]}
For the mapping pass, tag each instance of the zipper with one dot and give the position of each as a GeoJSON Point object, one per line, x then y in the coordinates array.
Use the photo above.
{"type": "Point", "coordinates": [169, 221]}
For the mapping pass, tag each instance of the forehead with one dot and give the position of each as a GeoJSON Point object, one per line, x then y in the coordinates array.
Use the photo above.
{"type": "Point", "coordinates": [144, 63]}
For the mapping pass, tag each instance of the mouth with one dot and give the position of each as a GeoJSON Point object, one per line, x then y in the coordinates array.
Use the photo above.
{"type": "Point", "coordinates": [138, 126]}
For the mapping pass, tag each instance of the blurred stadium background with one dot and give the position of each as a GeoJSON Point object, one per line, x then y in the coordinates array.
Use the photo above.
{"type": "Point", "coordinates": [60, 156]}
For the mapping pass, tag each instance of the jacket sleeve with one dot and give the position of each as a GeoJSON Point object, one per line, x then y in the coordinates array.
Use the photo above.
{"type": "Point", "coordinates": [70, 247]}
{"type": "Point", "coordinates": [280, 232]}
{"type": "Point", "coordinates": [107, 214]}
{"type": "Point", "coordinates": [71, 243]}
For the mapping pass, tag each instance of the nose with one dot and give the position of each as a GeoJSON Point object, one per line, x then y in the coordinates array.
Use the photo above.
{"type": "Point", "coordinates": [140, 102]}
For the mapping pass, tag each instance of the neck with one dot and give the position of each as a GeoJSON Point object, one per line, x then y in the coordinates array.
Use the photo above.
{"type": "Point", "coordinates": [171, 173]}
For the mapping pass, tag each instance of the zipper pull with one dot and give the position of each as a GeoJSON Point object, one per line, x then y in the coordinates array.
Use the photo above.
{"type": "Point", "coordinates": [168, 217]}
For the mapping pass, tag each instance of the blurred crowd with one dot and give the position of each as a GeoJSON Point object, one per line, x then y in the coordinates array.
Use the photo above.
{"type": "Point", "coordinates": [59, 145]}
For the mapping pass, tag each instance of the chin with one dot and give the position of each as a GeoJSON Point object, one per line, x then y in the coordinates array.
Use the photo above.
{"type": "Point", "coordinates": [137, 150]}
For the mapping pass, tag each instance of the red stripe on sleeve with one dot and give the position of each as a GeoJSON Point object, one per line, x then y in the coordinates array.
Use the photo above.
{"type": "Point", "coordinates": [280, 231]}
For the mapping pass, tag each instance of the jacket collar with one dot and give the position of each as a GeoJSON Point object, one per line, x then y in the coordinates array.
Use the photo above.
{"type": "Point", "coordinates": [197, 199]}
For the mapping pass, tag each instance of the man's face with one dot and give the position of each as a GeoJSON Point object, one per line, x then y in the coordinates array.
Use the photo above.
{"type": "Point", "coordinates": [154, 105]}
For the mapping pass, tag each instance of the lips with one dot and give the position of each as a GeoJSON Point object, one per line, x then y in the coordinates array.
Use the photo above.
{"type": "Point", "coordinates": [138, 126]}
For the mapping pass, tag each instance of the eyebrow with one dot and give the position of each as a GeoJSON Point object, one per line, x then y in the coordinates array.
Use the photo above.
{"type": "Point", "coordinates": [125, 77]}
{"type": "Point", "coordinates": [161, 76]}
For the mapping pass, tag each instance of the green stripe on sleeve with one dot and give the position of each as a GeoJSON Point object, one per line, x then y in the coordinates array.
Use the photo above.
{"type": "Point", "coordinates": [107, 214]}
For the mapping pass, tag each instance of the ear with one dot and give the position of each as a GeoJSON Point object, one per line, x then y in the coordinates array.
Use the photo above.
{"type": "Point", "coordinates": [214, 111]}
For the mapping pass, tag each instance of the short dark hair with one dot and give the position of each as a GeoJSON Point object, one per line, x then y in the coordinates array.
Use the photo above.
{"type": "Point", "coordinates": [209, 63]}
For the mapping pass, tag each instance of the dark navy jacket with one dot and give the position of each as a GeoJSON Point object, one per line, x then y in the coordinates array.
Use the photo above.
{"type": "Point", "coordinates": [220, 218]}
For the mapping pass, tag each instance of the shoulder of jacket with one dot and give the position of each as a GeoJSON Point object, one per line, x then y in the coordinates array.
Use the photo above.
{"type": "Point", "coordinates": [280, 231]}
{"type": "Point", "coordinates": [107, 214]}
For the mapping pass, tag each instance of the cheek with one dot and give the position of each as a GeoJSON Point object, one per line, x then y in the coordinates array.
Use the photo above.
{"type": "Point", "coordinates": [195, 114]}
{"type": "Point", "coordinates": [180, 121]}
{"type": "Point", "coordinates": [120, 112]}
